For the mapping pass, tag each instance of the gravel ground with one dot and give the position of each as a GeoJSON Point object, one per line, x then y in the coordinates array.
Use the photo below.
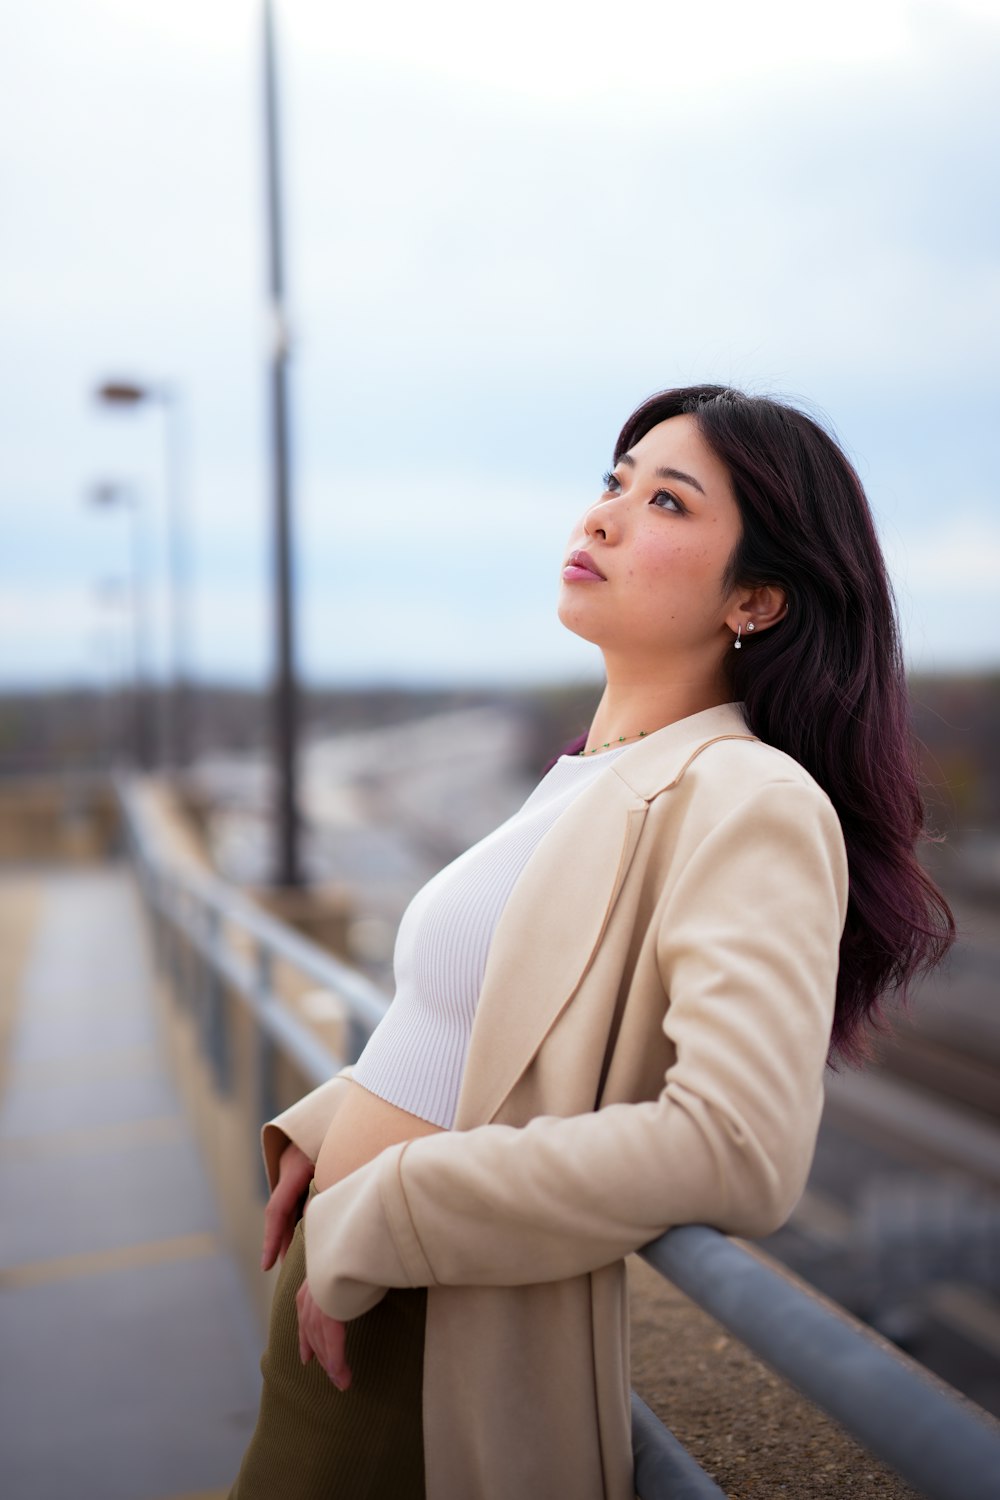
{"type": "Point", "coordinates": [770, 1441]}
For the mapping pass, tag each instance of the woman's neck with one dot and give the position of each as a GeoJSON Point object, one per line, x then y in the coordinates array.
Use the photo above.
{"type": "Point", "coordinates": [633, 706]}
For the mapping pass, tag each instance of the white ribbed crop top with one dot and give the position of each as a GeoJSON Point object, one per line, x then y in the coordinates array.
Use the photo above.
{"type": "Point", "coordinates": [415, 1057]}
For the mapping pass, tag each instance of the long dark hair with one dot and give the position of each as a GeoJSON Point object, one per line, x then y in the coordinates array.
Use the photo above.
{"type": "Point", "coordinates": [826, 684]}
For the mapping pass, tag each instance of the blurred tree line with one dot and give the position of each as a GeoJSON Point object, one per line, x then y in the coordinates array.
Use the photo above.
{"type": "Point", "coordinates": [956, 720]}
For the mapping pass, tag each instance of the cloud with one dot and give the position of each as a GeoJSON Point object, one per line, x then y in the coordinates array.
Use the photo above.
{"type": "Point", "coordinates": [494, 252]}
{"type": "Point", "coordinates": [578, 52]}
{"type": "Point", "coordinates": [962, 554]}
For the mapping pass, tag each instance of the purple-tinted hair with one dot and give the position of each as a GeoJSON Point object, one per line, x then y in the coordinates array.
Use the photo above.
{"type": "Point", "coordinates": [827, 684]}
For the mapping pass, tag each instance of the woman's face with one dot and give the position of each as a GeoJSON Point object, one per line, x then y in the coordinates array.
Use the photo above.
{"type": "Point", "coordinates": [657, 543]}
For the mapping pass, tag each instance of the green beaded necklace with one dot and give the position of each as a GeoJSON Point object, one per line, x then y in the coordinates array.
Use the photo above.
{"type": "Point", "coordinates": [621, 740]}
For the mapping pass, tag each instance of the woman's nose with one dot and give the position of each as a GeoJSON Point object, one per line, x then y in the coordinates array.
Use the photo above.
{"type": "Point", "coordinates": [600, 521]}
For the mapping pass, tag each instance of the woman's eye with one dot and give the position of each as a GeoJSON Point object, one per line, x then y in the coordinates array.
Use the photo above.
{"type": "Point", "coordinates": [611, 483]}
{"type": "Point", "coordinates": [665, 500]}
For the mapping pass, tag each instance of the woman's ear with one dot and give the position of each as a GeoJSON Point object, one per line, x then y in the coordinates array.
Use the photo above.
{"type": "Point", "coordinates": [758, 609]}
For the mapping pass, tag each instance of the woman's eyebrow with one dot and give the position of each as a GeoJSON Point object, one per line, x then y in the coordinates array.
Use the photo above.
{"type": "Point", "coordinates": [664, 473]}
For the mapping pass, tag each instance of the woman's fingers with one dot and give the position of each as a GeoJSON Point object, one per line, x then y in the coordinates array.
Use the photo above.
{"type": "Point", "coordinates": [305, 1353]}
{"type": "Point", "coordinates": [277, 1251]}
{"type": "Point", "coordinates": [324, 1336]}
{"type": "Point", "coordinates": [295, 1172]}
{"type": "Point", "coordinates": [335, 1342]}
{"type": "Point", "coordinates": [276, 1212]}
{"type": "Point", "coordinates": [276, 1237]}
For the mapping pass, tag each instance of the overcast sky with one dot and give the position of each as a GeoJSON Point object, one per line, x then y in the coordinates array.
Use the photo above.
{"type": "Point", "coordinates": [504, 229]}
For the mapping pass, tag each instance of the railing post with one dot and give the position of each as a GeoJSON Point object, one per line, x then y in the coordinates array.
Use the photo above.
{"type": "Point", "coordinates": [264, 1051]}
{"type": "Point", "coordinates": [213, 1027]}
{"type": "Point", "coordinates": [152, 882]}
{"type": "Point", "coordinates": [172, 907]}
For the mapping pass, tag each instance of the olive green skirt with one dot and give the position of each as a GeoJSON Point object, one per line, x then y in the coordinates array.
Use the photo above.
{"type": "Point", "coordinates": [313, 1442]}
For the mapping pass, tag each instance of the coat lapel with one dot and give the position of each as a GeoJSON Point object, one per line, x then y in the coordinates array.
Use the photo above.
{"type": "Point", "coordinates": [536, 962]}
{"type": "Point", "coordinates": [574, 876]}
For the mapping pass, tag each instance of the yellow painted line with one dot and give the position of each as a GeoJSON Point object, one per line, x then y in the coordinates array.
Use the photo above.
{"type": "Point", "coordinates": [116, 1062]}
{"type": "Point", "coordinates": [95, 1138]}
{"type": "Point", "coordinates": [100, 1262]}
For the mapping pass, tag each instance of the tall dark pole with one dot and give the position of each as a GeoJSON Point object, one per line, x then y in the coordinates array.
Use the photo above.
{"type": "Point", "coordinates": [285, 697]}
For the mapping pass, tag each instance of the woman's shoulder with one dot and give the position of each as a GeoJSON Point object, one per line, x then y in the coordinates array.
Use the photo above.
{"type": "Point", "coordinates": [711, 754]}
{"type": "Point", "coordinates": [742, 793]}
{"type": "Point", "coordinates": [758, 793]}
{"type": "Point", "coordinates": [747, 764]}
{"type": "Point", "coordinates": [714, 768]}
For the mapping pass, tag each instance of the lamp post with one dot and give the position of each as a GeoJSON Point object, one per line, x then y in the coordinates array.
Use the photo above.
{"type": "Point", "coordinates": [108, 495]}
{"type": "Point", "coordinates": [113, 645]}
{"type": "Point", "coordinates": [125, 393]}
{"type": "Point", "coordinates": [285, 694]}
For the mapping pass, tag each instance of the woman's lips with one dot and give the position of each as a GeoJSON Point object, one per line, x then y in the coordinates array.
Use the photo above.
{"type": "Point", "coordinates": [581, 567]}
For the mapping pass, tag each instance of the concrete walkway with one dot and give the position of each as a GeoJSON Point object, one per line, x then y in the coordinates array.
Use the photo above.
{"type": "Point", "coordinates": [129, 1351]}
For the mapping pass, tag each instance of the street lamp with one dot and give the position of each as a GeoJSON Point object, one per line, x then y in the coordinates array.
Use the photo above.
{"type": "Point", "coordinates": [289, 872]}
{"type": "Point", "coordinates": [108, 495]}
{"type": "Point", "coordinates": [113, 648]}
{"type": "Point", "coordinates": [123, 393]}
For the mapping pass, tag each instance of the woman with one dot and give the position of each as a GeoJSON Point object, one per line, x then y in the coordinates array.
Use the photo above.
{"type": "Point", "coordinates": [685, 923]}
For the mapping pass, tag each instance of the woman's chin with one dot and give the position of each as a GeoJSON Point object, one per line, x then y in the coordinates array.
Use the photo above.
{"type": "Point", "coordinates": [576, 620]}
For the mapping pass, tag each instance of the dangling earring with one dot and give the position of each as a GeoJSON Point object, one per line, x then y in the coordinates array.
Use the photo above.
{"type": "Point", "coordinates": [738, 644]}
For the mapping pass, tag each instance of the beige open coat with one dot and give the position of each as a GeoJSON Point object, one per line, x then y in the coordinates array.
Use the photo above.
{"type": "Point", "coordinates": [648, 1050]}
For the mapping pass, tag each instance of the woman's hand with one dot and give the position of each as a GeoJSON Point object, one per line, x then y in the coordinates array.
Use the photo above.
{"type": "Point", "coordinates": [295, 1172]}
{"type": "Point", "coordinates": [323, 1336]}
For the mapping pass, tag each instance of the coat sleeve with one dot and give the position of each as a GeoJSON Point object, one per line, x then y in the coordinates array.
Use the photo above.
{"type": "Point", "coordinates": [747, 948]}
{"type": "Point", "coordinates": [305, 1122]}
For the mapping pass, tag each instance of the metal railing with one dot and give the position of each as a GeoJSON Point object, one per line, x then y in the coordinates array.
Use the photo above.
{"type": "Point", "coordinates": [194, 915]}
{"type": "Point", "coordinates": [933, 1440]}
{"type": "Point", "coordinates": [886, 1402]}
